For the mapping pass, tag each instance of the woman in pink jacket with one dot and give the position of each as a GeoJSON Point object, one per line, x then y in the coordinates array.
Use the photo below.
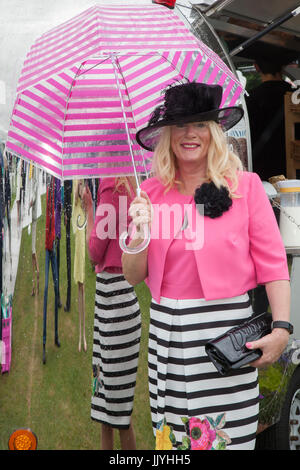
{"type": "Point", "coordinates": [117, 322]}
{"type": "Point", "coordinates": [199, 269]}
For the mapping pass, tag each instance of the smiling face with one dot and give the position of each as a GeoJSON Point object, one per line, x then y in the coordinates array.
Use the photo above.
{"type": "Point", "coordinates": [190, 143]}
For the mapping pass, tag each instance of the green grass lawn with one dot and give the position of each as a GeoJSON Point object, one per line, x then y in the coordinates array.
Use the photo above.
{"type": "Point", "coordinates": [53, 399]}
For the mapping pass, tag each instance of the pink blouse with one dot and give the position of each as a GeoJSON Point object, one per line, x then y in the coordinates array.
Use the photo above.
{"type": "Point", "coordinates": [181, 279]}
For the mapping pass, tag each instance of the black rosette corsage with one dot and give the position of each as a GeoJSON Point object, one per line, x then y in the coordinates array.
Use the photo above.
{"type": "Point", "coordinates": [215, 201]}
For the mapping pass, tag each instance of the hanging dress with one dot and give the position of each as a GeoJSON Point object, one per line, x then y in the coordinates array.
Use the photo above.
{"type": "Point", "coordinates": [78, 216]}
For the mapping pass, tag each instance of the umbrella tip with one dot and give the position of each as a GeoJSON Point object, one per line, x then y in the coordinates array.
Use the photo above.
{"type": "Point", "coordinates": [167, 3]}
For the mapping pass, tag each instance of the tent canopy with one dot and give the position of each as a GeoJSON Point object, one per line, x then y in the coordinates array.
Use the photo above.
{"type": "Point", "coordinates": [235, 21]}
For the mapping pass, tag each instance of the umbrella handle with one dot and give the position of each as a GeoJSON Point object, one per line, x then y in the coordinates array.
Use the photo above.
{"type": "Point", "coordinates": [137, 249]}
{"type": "Point", "coordinates": [124, 235]}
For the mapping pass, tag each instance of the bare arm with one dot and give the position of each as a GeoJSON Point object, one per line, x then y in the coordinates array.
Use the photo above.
{"type": "Point", "coordinates": [135, 266]}
{"type": "Point", "coordinates": [279, 294]}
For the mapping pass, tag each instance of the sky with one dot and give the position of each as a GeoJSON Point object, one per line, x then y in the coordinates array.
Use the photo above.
{"type": "Point", "coordinates": [21, 23]}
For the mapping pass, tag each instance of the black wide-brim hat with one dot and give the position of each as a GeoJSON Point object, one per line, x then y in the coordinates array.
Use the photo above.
{"type": "Point", "coordinates": [188, 102]}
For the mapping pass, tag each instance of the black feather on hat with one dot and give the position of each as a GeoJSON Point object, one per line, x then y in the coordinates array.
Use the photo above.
{"type": "Point", "coordinates": [188, 102]}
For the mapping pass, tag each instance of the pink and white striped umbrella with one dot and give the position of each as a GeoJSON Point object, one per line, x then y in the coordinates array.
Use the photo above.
{"type": "Point", "coordinates": [89, 84]}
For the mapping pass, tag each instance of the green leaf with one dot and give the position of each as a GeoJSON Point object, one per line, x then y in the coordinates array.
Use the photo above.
{"type": "Point", "coordinates": [172, 438]}
{"type": "Point", "coordinates": [220, 421]}
{"type": "Point", "coordinates": [222, 435]}
{"type": "Point", "coordinates": [186, 424]}
{"type": "Point", "coordinates": [160, 425]}
{"type": "Point", "coordinates": [211, 421]}
{"type": "Point", "coordinates": [186, 440]}
{"type": "Point", "coordinates": [221, 445]}
{"type": "Point", "coordinates": [186, 444]}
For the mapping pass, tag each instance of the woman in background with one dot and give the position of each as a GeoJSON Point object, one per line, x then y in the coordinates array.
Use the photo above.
{"type": "Point", "coordinates": [117, 323]}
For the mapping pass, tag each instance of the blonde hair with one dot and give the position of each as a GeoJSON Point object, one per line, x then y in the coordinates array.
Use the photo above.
{"type": "Point", "coordinates": [222, 164]}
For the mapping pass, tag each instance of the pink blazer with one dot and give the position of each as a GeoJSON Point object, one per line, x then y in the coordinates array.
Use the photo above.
{"type": "Point", "coordinates": [240, 249]}
{"type": "Point", "coordinates": [104, 249]}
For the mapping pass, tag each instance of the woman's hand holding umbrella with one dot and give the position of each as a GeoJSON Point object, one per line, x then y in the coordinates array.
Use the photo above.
{"type": "Point", "coordinates": [134, 258]}
{"type": "Point", "coordinates": [141, 213]}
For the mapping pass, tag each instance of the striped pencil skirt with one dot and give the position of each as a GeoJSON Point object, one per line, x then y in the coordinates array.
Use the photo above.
{"type": "Point", "coordinates": [192, 405]}
{"type": "Point", "coordinates": [116, 343]}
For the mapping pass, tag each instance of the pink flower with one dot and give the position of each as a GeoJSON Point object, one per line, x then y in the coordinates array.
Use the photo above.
{"type": "Point", "coordinates": [202, 437]}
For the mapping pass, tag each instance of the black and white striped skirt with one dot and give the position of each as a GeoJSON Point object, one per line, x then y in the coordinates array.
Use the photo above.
{"type": "Point", "coordinates": [117, 331]}
{"type": "Point", "coordinates": [192, 405]}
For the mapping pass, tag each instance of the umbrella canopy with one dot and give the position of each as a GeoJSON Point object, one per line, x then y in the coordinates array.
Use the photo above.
{"type": "Point", "coordinates": [89, 84]}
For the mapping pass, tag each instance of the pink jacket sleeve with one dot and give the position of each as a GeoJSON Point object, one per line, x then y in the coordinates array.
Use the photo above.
{"type": "Point", "coordinates": [105, 218]}
{"type": "Point", "coordinates": [266, 245]}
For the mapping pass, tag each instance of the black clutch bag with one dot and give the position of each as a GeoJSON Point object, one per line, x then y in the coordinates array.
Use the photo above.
{"type": "Point", "coordinates": [228, 351]}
